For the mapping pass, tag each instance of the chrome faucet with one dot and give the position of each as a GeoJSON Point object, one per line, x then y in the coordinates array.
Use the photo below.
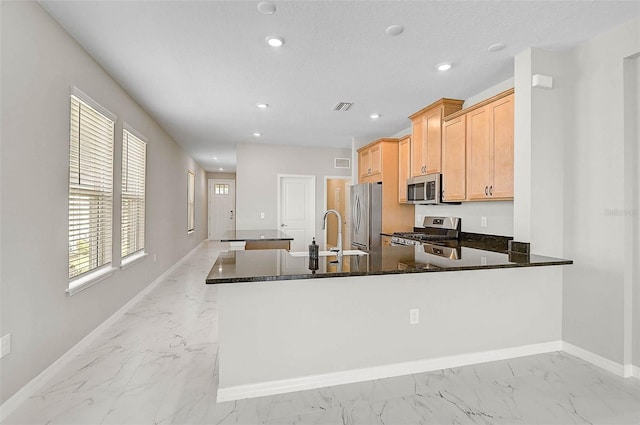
{"type": "Point", "coordinates": [337, 249]}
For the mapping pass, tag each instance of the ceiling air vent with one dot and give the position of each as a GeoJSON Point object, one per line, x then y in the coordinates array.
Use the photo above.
{"type": "Point", "coordinates": [342, 106]}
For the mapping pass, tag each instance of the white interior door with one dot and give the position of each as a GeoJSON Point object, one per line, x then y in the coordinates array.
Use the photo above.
{"type": "Point", "coordinates": [222, 207]}
{"type": "Point", "coordinates": [297, 206]}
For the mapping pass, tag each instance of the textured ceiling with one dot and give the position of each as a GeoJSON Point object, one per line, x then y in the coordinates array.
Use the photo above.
{"type": "Point", "coordinates": [200, 67]}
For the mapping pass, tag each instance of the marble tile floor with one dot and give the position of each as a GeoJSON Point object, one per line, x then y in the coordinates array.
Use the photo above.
{"type": "Point", "coordinates": [157, 365]}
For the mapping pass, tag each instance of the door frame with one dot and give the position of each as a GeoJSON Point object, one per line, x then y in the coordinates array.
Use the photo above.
{"type": "Point", "coordinates": [209, 199]}
{"type": "Point", "coordinates": [279, 198]}
{"type": "Point", "coordinates": [346, 239]}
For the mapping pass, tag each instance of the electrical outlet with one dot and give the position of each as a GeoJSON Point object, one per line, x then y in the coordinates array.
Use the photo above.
{"type": "Point", "coordinates": [5, 344]}
{"type": "Point", "coordinates": [483, 261]}
{"type": "Point", "coordinates": [261, 215]}
{"type": "Point", "coordinates": [414, 316]}
{"type": "Point", "coordinates": [483, 222]}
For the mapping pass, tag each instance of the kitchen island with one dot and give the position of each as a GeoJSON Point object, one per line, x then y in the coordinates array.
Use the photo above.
{"type": "Point", "coordinates": [257, 239]}
{"type": "Point", "coordinates": [391, 312]}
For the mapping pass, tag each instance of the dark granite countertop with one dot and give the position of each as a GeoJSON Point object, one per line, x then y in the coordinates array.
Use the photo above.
{"type": "Point", "coordinates": [254, 235]}
{"type": "Point", "coordinates": [277, 264]}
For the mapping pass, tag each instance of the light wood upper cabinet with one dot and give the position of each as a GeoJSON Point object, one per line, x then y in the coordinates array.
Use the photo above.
{"type": "Point", "coordinates": [426, 136]}
{"type": "Point", "coordinates": [364, 163]}
{"type": "Point", "coordinates": [454, 165]}
{"type": "Point", "coordinates": [480, 150]}
{"type": "Point", "coordinates": [490, 149]}
{"type": "Point", "coordinates": [370, 160]}
{"type": "Point", "coordinates": [503, 131]}
{"type": "Point", "coordinates": [404, 167]}
{"type": "Point", "coordinates": [381, 157]}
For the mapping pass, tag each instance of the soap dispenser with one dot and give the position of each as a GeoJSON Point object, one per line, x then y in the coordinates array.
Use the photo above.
{"type": "Point", "coordinates": [313, 255]}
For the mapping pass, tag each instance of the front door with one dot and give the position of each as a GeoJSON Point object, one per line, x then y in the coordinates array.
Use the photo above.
{"type": "Point", "coordinates": [296, 212]}
{"type": "Point", "coordinates": [222, 207]}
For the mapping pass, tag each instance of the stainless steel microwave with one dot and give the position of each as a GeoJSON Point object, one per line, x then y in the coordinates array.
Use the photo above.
{"type": "Point", "coordinates": [425, 189]}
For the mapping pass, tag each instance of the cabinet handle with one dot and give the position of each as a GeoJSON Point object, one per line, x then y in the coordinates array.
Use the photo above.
{"type": "Point", "coordinates": [443, 194]}
{"type": "Point", "coordinates": [486, 191]}
{"type": "Point", "coordinates": [491, 190]}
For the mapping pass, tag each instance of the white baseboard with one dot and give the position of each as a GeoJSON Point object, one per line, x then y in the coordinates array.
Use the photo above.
{"type": "Point", "coordinates": [595, 359]}
{"type": "Point", "coordinates": [633, 371]}
{"type": "Point", "coordinates": [32, 386]}
{"type": "Point", "coordinates": [380, 372]}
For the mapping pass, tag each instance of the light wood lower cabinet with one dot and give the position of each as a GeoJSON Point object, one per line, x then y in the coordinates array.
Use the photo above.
{"type": "Point", "coordinates": [386, 240]}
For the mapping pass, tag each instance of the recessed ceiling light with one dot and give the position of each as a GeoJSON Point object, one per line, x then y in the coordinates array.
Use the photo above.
{"type": "Point", "coordinates": [215, 158]}
{"type": "Point", "coordinates": [262, 105]}
{"type": "Point", "coordinates": [394, 30]}
{"type": "Point", "coordinates": [444, 66]}
{"type": "Point", "coordinates": [275, 41]}
{"type": "Point", "coordinates": [257, 134]}
{"type": "Point", "coordinates": [374, 116]}
{"type": "Point", "coordinates": [220, 169]}
{"type": "Point", "coordinates": [266, 7]}
{"type": "Point", "coordinates": [496, 47]}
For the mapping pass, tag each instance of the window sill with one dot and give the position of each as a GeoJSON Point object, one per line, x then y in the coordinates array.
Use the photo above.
{"type": "Point", "coordinates": [79, 285]}
{"type": "Point", "coordinates": [132, 259]}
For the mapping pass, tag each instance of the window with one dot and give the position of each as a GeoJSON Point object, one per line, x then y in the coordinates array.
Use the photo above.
{"type": "Point", "coordinates": [221, 189]}
{"type": "Point", "coordinates": [134, 154]}
{"type": "Point", "coordinates": [90, 185]}
{"type": "Point", "coordinates": [191, 196]}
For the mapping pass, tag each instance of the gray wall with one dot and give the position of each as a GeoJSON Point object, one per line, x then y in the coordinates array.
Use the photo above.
{"type": "Point", "coordinates": [257, 180]}
{"type": "Point", "coordinates": [596, 294]}
{"type": "Point", "coordinates": [40, 62]}
{"type": "Point", "coordinates": [632, 121]}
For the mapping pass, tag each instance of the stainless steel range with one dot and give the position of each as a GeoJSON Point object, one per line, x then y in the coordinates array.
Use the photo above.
{"type": "Point", "coordinates": [438, 236]}
{"type": "Point", "coordinates": [434, 229]}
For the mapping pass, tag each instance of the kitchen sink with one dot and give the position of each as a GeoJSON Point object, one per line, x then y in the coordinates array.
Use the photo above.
{"type": "Point", "coordinates": [327, 253]}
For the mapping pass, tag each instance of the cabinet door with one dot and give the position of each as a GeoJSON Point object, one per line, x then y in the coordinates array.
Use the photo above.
{"type": "Point", "coordinates": [479, 150]}
{"type": "Point", "coordinates": [502, 129]}
{"type": "Point", "coordinates": [432, 142]}
{"type": "Point", "coordinates": [454, 160]}
{"type": "Point", "coordinates": [417, 135]}
{"type": "Point", "coordinates": [364, 163]}
{"type": "Point", "coordinates": [375, 159]}
{"type": "Point", "coordinates": [404, 168]}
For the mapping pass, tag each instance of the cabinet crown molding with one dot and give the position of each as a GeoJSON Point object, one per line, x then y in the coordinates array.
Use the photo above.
{"type": "Point", "coordinates": [478, 105]}
{"type": "Point", "coordinates": [442, 102]}
{"type": "Point", "coordinates": [381, 140]}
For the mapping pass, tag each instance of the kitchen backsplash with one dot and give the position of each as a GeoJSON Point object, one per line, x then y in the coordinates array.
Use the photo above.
{"type": "Point", "coordinates": [498, 214]}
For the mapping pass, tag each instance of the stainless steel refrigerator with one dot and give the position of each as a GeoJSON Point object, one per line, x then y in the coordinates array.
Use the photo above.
{"type": "Point", "coordinates": [366, 215]}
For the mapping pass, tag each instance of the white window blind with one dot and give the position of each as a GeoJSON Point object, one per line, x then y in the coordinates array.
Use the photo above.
{"type": "Point", "coordinates": [90, 187]}
{"type": "Point", "coordinates": [191, 196]}
{"type": "Point", "coordinates": [134, 158]}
